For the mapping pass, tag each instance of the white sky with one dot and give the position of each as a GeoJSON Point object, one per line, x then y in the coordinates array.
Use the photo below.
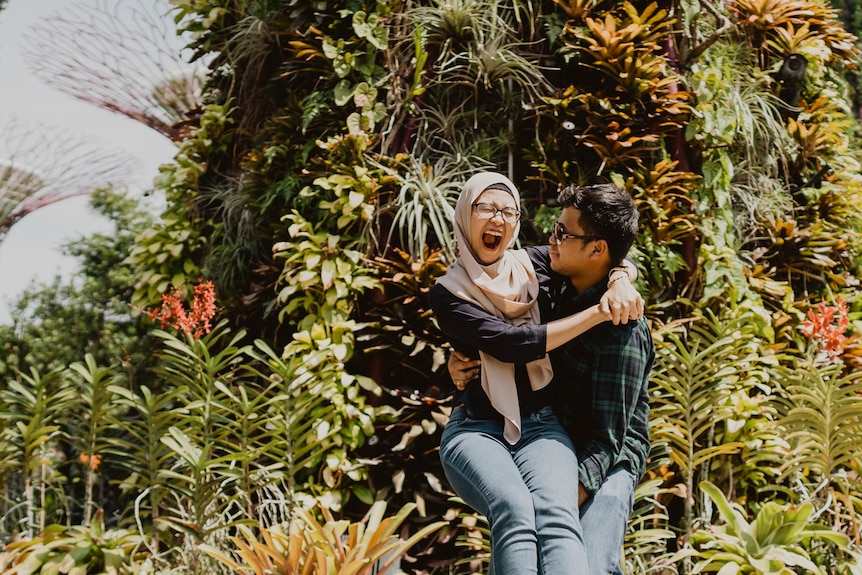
{"type": "Point", "coordinates": [31, 250]}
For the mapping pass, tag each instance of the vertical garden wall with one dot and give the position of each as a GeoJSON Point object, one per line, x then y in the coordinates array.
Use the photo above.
{"type": "Point", "coordinates": [308, 208]}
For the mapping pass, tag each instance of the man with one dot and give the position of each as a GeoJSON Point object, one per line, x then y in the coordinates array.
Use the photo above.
{"type": "Point", "coordinates": [602, 376]}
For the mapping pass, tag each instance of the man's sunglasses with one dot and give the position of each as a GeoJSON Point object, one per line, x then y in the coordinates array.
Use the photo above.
{"type": "Point", "coordinates": [559, 235]}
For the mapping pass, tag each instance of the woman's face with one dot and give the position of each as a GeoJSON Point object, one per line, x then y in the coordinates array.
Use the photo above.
{"type": "Point", "coordinates": [489, 237]}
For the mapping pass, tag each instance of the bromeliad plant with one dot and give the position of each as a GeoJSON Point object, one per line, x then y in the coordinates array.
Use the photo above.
{"type": "Point", "coordinates": [330, 548]}
{"type": "Point", "coordinates": [76, 550]}
{"type": "Point", "coordinates": [633, 100]}
{"type": "Point", "coordinates": [806, 26]}
{"type": "Point", "coordinates": [774, 541]}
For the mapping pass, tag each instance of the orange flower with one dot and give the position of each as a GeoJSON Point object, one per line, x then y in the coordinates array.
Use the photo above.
{"type": "Point", "coordinates": [197, 319]}
{"type": "Point", "coordinates": [92, 462]}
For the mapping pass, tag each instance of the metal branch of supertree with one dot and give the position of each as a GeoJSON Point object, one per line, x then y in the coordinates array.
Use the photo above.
{"type": "Point", "coordinates": [124, 57]}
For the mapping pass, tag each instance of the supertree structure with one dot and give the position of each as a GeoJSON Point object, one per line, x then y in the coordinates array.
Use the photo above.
{"type": "Point", "coordinates": [124, 57]}
{"type": "Point", "coordinates": [41, 165]}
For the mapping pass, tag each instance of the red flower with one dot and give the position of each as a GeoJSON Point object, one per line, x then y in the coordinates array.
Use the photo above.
{"type": "Point", "coordinates": [823, 328]}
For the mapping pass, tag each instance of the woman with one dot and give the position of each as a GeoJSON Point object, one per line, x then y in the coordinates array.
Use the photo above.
{"type": "Point", "coordinates": [503, 450]}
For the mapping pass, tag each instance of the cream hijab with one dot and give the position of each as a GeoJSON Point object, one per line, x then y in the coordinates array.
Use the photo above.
{"type": "Point", "coordinates": [508, 289]}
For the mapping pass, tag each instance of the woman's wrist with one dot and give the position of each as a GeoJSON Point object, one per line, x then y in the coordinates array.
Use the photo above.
{"type": "Point", "coordinates": [617, 273]}
{"type": "Point", "coordinates": [599, 317]}
{"type": "Point", "coordinates": [619, 270]}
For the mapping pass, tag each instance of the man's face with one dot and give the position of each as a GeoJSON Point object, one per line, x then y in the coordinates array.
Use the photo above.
{"type": "Point", "coordinates": [571, 256]}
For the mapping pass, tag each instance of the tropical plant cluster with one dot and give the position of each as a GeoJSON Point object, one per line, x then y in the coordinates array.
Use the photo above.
{"type": "Point", "coordinates": [287, 374]}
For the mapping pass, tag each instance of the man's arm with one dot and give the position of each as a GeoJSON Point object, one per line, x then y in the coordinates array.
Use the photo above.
{"type": "Point", "coordinates": [462, 369]}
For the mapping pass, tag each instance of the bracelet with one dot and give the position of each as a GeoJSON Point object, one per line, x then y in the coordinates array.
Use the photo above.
{"type": "Point", "coordinates": [615, 278]}
{"type": "Point", "coordinates": [619, 269]}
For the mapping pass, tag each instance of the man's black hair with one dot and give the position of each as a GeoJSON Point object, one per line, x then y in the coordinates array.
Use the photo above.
{"type": "Point", "coordinates": [607, 212]}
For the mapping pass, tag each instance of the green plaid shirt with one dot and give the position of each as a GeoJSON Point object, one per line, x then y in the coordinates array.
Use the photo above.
{"type": "Point", "coordinates": [602, 378]}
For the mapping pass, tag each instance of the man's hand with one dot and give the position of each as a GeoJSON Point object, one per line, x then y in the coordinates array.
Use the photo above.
{"type": "Point", "coordinates": [582, 494]}
{"type": "Point", "coordinates": [462, 369]}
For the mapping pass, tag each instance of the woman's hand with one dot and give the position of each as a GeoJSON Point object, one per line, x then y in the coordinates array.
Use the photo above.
{"type": "Point", "coordinates": [462, 369]}
{"type": "Point", "coordinates": [621, 299]}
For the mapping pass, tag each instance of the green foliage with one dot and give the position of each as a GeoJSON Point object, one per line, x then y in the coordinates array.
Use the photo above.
{"type": "Point", "coordinates": [337, 133]}
{"type": "Point", "coordinates": [235, 435]}
{"type": "Point", "coordinates": [632, 100]}
{"type": "Point", "coordinates": [698, 368]}
{"type": "Point", "coordinates": [424, 207]}
{"type": "Point", "coordinates": [90, 428]}
{"type": "Point", "coordinates": [774, 542]}
{"type": "Point", "coordinates": [145, 417]}
{"type": "Point", "coordinates": [31, 408]}
{"type": "Point", "coordinates": [202, 479]}
{"type": "Point", "coordinates": [647, 536]}
{"type": "Point", "coordinates": [57, 324]}
{"type": "Point", "coordinates": [821, 410]}
{"type": "Point", "coordinates": [345, 420]}
{"type": "Point", "coordinates": [246, 435]}
{"type": "Point", "coordinates": [321, 275]}
{"type": "Point", "coordinates": [76, 550]}
{"type": "Point", "coordinates": [663, 197]}
{"type": "Point", "coordinates": [166, 255]}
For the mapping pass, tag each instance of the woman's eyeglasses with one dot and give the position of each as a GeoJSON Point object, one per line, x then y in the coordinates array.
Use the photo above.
{"type": "Point", "coordinates": [559, 235]}
{"type": "Point", "coordinates": [488, 211]}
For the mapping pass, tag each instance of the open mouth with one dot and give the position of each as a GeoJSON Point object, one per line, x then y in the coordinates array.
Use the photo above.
{"type": "Point", "coordinates": [492, 239]}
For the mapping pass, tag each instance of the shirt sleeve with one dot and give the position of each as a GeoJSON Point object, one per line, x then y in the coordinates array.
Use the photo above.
{"type": "Point", "coordinates": [469, 327]}
{"type": "Point", "coordinates": [618, 382]}
{"type": "Point", "coordinates": [637, 443]}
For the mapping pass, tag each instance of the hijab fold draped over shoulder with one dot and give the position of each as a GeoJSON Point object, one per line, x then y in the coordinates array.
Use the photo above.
{"type": "Point", "coordinates": [508, 289]}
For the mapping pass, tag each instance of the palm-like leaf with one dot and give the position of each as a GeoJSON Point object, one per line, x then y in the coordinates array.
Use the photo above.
{"type": "Point", "coordinates": [91, 433]}
{"type": "Point", "coordinates": [694, 375]}
{"type": "Point", "coordinates": [294, 433]}
{"type": "Point", "coordinates": [30, 411]}
{"type": "Point", "coordinates": [647, 536]}
{"type": "Point", "coordinates": [692, 384]}
{"type": "Point", "coordinates": [202, 487]}
{"type": "Point", "coordinates": [822, 413]}
{"type": "Point", "coordinates": [146, 418]}
{"type": "Point", "coordinates": [244, 424]}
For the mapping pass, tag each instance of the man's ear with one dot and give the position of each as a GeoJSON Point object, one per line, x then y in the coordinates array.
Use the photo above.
{"type": "Point", "coordinates": [600, 249]}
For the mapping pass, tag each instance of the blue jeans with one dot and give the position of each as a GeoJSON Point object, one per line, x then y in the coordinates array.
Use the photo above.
{"type": "Point", "coordinates": [604, 518]}
{"type": "Point", "coordinates": [528, 492]}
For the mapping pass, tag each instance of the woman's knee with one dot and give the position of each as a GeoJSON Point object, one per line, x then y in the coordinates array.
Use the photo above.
{"type": "Point", "coordinates": [513, 506]}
